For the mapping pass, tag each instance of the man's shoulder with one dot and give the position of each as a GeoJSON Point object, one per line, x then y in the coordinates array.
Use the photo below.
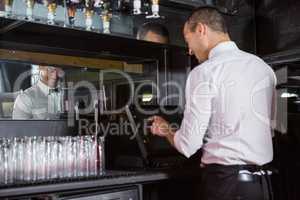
{"type": "Point", "coordinates": [30, 93]}
{"type": "Point", "coordinates": [202, 66]}
{"type": "Point", "coordinates": [201, 71]}
{"type": "Point", "coordinates": [256, 61]}
{"type": "Point", "coordinates": [33, 90]}
{"type": "Point", "coordinates": [205, 67]}
{"type": "Point", "coordinates": [249, 55]}
{"type": "Point", "coordinates": [241, 58]}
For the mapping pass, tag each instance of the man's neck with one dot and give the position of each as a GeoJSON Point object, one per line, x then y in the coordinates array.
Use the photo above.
{"type": "Point", "coordinates": [217, 40]}
{"type": "Point", "coordinates": [46, 83]}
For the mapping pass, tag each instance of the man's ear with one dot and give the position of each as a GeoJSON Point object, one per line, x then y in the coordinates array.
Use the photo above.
{"type": "Point", "coordinates": [41, 67]}
{"type": "Point", "coordinates": [201, 28]}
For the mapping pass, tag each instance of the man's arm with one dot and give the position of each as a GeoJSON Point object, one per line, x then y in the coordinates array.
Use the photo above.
{"type": "Point", "coordinates": [189, 138]}
{"type": "Point", "coordinates": [162, 128]}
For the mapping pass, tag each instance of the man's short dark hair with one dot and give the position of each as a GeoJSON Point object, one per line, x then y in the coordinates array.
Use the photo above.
{"type": "Point", "coordinates": [210, 16]}
{"type": "Point", "coordinates": [156, 28]}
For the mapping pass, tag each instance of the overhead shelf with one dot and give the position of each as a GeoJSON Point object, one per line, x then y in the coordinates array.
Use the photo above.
{"type": "Point", "coordinates": [42, 38]}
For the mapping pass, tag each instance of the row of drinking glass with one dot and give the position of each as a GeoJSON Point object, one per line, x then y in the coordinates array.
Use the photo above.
{"type": "Point", "coordinates": [44, 158]}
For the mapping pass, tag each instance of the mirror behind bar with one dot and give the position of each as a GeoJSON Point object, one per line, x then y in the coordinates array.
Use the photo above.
{"type": "Point", "coordinates": [108, 75]}
{"type": "Point", "coordinates": [19, 128]}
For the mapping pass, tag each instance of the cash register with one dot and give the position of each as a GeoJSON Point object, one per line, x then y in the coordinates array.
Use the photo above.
{"type": "Point", "coordinates": [145, 150]}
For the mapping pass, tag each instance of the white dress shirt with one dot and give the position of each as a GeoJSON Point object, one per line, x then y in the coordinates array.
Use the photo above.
{"type": "Point", "coordinates": [228, 109]}
{"type": "Point", "coordinates": [37, 102]}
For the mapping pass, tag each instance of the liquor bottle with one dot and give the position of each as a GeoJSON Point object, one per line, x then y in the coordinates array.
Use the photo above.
{"type": "Point", "coordinates": [98, 3]}
{"type": "Point", "coordinates": [89, 13]}
{"type": "Point", "coordinates": [89, 4]}
{"type": "Point", "coordinates": [8, 7]}
{"type": "Point", "coordinates": [51, 5]}
{"type": "Point", "coordinates": [154, 9]}
{"type": "Point", "coordinates": [72, 8]}
{"type": "Point", "coordinates": [89, 19]}
{"type": "Point", "coordinates": [29, 9]}
{"type": "Point", "coordinates": [137, 6]}
{"type": "Point", "coordinates": [123, 6]}
{"type": "Point", "coordinates": [106, 17]}
{"type": "Point", "coordinates": [98, 6]}
{"type": "Point", "coordinates": [116, 5]}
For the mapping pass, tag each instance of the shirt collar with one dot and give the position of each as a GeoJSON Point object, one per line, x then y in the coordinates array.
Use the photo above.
{"type": "Point", "coordinates": [45, 88]}
{"type": "Point", "coordinates": [222, 47]}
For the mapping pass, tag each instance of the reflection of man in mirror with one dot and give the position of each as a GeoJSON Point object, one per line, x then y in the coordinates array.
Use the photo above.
{"type": "Point", "coordinates": [42, 100]}
{"type": "Point", "coordinates": [153, 32]}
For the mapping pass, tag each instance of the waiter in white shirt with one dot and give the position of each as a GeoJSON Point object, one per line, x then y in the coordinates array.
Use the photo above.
{"type": "Point", "coordinates": [42, 100]}
{"type": "Point", "coordinates": [228, 113]}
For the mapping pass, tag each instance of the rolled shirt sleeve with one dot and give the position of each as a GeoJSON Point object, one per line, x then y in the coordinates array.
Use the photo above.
{"type": "Point", "coordinates": [199, 93]}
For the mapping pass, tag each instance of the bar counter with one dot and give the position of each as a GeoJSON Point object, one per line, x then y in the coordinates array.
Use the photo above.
{"type": "Point", "coordinates": [109, 179]}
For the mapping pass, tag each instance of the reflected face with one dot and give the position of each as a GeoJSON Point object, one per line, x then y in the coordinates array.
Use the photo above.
{"type": "Point", "coordinates": [50, 75]}
{"type": "Point", "coordinates": [153, 37]}
{"type": "Point", "coordinates": [196, 41]}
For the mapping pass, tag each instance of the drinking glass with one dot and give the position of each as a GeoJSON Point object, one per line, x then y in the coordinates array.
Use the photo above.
{"type": "Point", "coordinates": [69, 165]}
{"type": "Point", "coordinates": [27, 163]}
{"type": "Point", "coordinates": [101, 156]}
{"type": "Point", "coordinates": [62, 157]}
{"type": "Point", "coordinates": [93, 156]}
{"type": "Point", "coordinates": [53, 157]}
{"type": "Point", "coordinates": [81, 156]}
{"type": "Point", "coordinates": [7, 164]}
{"type": "Point", "coordinates": [48, 150]}
{"type": "Point", "coordinates": [20, 159]}
{"type": "Point", "coordinates": [34, 158]}
{"type": "Point", "coordinates": [2, 172]}
{"type": "Point", "coordinates": [41, 158]}
{"type": "Point", "coordinates": [75, 156]}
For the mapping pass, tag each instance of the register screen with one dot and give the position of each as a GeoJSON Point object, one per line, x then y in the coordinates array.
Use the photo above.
{"type": "Point", "coordinates": [156, 145]}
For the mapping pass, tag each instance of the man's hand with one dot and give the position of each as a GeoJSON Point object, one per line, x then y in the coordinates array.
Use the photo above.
{"type": "Point", "coordinates": [160, 126]}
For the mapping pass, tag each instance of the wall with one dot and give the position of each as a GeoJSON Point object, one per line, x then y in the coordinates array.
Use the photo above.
{"type": "Point", "coordinates": [278, 25]}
